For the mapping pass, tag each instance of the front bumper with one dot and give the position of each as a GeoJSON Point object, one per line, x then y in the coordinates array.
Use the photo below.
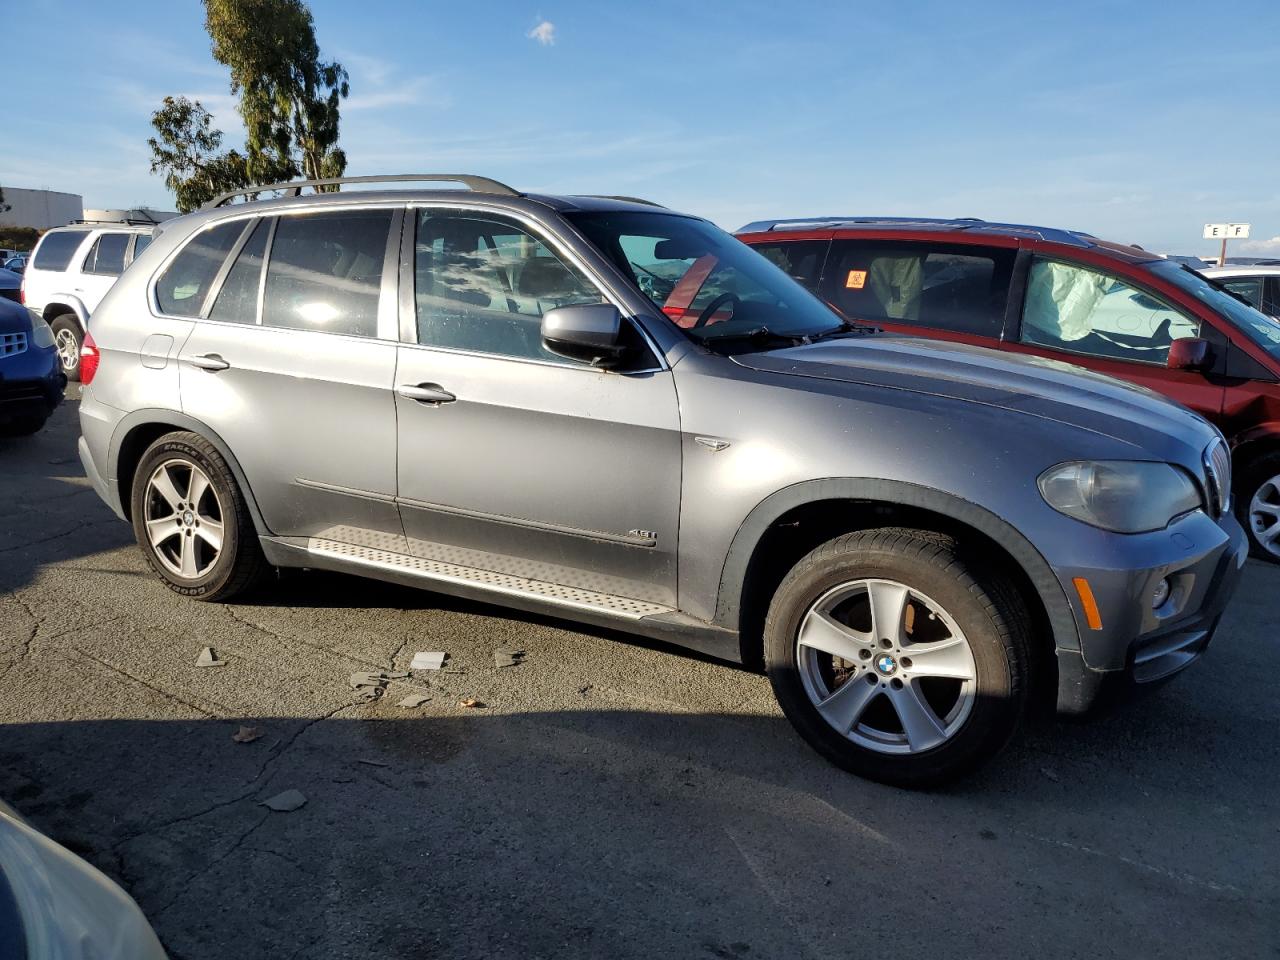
{"type": "Point", "coordinates": [1136, 642]}
{"type": "Point", "coordinates": [31, 384]}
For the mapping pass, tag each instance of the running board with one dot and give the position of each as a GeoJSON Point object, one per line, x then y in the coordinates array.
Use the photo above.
{"type": "Point", "coordinates": [490, 581]}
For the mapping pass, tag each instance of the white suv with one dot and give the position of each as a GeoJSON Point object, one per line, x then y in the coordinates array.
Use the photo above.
{"type": "Point", "coordinates": [69, 273]}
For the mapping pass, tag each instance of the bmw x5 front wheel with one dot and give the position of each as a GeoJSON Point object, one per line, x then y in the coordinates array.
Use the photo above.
{"type": "Point", "coordinates": [895, 659]}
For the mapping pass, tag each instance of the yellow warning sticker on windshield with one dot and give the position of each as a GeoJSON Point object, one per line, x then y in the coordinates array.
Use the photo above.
{"type": "Point", "coordinates": [856, 280]}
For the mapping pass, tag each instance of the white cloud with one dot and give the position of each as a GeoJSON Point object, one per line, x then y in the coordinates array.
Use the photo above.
{"type": "Point", "coordinates": [544, 33]}
{"type": "Point", "coordinates": [1261, 246]}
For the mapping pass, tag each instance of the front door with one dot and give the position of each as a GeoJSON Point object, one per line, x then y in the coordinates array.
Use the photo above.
{"type": "Point", "coordinates": [294, 370]}
{"type": "Point", "coordinates": [1086, 316]}
{"type": "Point", "coordinates": [516, 460]}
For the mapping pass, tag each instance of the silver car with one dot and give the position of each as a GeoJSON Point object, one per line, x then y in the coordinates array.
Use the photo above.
{"type": "Point", "coordinates": [605, 410]}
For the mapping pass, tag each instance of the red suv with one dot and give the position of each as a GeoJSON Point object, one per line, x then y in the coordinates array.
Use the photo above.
{"type": "Point", "coordinates": [1066, 296]}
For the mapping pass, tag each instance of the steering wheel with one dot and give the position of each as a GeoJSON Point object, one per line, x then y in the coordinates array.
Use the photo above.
{"type": "Point", "coordinates": [715, 305]}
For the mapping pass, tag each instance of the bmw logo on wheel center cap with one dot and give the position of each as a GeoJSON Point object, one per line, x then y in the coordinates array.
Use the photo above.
{"type": "Point", "coordinates": [886, 664]}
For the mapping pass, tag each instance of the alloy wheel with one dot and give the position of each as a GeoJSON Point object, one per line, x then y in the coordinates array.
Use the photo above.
{"type": "Point", "coordinates": [1264, 516]}
{"type": "Point", "coordinates": [68, 349]}
{"type": "Point", "coordinates": [183, 519]}
{"type": "Point", "coordinates": [886, 666]}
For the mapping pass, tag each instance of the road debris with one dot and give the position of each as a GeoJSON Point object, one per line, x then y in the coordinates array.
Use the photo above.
{"type": "Point", "coordinates": [247, 735]}
{"type": "Point", "coordinates": [471, 703]}
{"type": "Point", "coordinates": [413, 700]}
{"type": "Point", "coordinates": [208, 658]}
{"type": "Point", "coordinates": [372, 763]}
{"type": "Point", "coordinates": [507, 657]}
{"type": "Point", "coordinates": [369, 685]}
{"type": "Point", "coordinates": [286, 802]}
{"type": "Point", "coordinates": [427, 660]}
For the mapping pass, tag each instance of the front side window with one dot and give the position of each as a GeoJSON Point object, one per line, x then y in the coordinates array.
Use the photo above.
{"type": "Point", "coordinates": [957, 287]}
{"type": "Point", "coordinates": [708, 283]}
{"type": "Point", "coordinates": [325, 272]}
{"type": "Point", "coordinates": [183, 287]}
{"type": "Point", "coordinates": [1074, 308]}
{"type": "Point", "coordinates": [106, 256]}
{"type": "Point", "coordinates": [482, 284]}
{"type": "Point", "coordinates": [57, 249]}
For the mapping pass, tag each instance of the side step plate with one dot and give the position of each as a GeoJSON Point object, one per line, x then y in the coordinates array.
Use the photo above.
{"type": "Point", "coordinates": [622, 607]}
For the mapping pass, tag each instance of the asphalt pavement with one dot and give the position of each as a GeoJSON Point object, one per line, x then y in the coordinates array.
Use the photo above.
{"type": "Point", "coordinates": [611, 797]}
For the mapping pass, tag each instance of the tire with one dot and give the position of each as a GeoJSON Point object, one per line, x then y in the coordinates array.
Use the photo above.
{"type": "Point", "coordinates": [66, 330]}
{"type": "Point", "coordinates": [975, 629]}
{"type": "Point", "coordinates": [209, 551]}
{"type": "Point", "coordinates": [23, 426]}
{"type": "Point", "coordinates": [1257, 496]}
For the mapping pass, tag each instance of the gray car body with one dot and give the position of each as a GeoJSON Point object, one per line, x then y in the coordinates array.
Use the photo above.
{"type": "Point", "coordinates": [657, 489]}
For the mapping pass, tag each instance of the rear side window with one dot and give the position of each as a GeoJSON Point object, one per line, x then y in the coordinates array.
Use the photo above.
{"type": "Point", "coordinates": [106, 256]}
{"type": "Point", "coordinates": [800, 259]}
{"type": "Point", "coordinates": [237, 301]}
{"type": "Point", "coordinates": [325, 272]}
{"type": "Point", "coordinates": [1271, 297]}
{"type": "Point", "coordinates": [183, 287]}
{"type": "Point", "coordinates": [1248, 287]}
{"type": "Point", "coordinates": [57, 249]}
{"type": "Point", "coordinates": [956, 287]}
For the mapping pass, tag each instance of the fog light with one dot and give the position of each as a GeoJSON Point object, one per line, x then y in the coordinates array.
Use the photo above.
{"type": "Point", "coordinates": [1161, 595]}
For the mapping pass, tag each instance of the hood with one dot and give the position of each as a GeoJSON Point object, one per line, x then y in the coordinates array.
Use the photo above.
{"type": "Point", "coordinates": [9, 280]}
{"type": "Point", "coordinates": [14, 317]}
{"type": "Point", "coordinates": [1030, 385]}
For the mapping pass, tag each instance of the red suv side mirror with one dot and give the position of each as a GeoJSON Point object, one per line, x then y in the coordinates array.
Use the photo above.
{"type": "Point", "coordinates": [1188, 353]}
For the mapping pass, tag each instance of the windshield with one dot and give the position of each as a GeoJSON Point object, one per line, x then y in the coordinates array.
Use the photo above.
{"type": "Point", "coordinates": [1258, 327]}
{"type": "Point", "coordinates": [708, 283]}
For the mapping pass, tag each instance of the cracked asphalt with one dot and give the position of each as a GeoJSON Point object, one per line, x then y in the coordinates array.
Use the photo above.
{"type": "Point", "coordinates": [613, 798]}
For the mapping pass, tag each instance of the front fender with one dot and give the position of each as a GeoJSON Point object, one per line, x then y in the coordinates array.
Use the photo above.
{"type": "Point", "coordinates": [733, 577]}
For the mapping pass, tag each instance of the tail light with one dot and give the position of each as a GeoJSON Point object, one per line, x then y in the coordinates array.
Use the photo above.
{"type": "Point", "coordinates": [22, 289]}
{"type": "Point", "coordinates": [89, 359]}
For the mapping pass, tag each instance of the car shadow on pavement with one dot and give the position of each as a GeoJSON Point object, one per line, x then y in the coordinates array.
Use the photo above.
{"type": "Point", "coordinates": [613, 832]}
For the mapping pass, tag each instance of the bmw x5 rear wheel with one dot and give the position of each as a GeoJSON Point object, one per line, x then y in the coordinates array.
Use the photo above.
{"type": "Point", "coordinates": [191, 520]}
{"type": "Point", "coordinates": [895, 659]}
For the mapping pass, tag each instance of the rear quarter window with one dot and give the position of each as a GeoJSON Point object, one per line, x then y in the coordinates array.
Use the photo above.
{"type": "Point", "coordinates": [57, 249]}
{"type": "Point", "coordinates": [183, 287]}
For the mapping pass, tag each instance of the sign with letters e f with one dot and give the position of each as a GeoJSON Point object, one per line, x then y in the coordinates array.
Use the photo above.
{"type": "Point", "coordinates": [1226, 231]}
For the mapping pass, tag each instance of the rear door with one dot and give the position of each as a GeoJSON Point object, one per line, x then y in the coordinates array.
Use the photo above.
{"type": "Point", "coordinates": [292, 366]}
{"type": "Point", "coordinates": [1086, 315]}
{"type": "Point", "coordinates": [527, 463]}
{"type": "Point", "coordinates": [949, 291]}
{"type": "Point", "coordinates": [100, 268]}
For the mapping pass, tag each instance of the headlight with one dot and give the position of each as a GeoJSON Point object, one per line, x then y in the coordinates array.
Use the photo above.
{"type": "Point", "coordinates": [41, 332]}
{"type": "Point", "coordinates": [1121, 495]}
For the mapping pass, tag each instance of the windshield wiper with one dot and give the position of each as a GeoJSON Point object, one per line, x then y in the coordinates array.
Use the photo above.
{"type": "Point", "coordinates": [757, 337]}
{"type": "Point", "coordinates": [847, 328]}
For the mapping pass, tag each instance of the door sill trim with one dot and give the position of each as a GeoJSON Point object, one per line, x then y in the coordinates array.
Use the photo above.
{"type": "Point", "coordinates": [490, 581]}
{"type": "Point", "coordinates": [625, 539]}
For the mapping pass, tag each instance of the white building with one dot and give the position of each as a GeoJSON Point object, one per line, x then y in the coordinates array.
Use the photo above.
{"type": "Point", "coordinates": [41, 209]}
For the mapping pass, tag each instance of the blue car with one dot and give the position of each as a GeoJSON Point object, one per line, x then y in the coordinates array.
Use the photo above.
{"type": "Point", "coordinates": [31, 378]}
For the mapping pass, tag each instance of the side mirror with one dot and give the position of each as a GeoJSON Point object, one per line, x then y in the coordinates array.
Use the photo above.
{"type": "Point", "coordinates": [591, 332]}
{"type": "Point", "coordinates": [1188, 353]}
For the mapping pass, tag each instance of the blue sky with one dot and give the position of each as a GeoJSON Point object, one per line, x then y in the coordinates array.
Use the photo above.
{"type": "Point", "coordinates": [1136, 121]}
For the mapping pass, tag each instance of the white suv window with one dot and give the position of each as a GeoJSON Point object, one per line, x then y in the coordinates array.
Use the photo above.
{"type": "Point", "coordinates": [106, 256]}
{"type": "Point", "coordinates": [57, 249]}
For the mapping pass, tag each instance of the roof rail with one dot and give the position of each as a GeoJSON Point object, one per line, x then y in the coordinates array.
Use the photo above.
{"type": "Point", "coordinates": [127, 222]}
{"type": "Point", "coordinates": [294, 187]}
{"type": "Point", "coordinates": [611, 196]}
{"type": "Point", "coordinates": [958, 224]}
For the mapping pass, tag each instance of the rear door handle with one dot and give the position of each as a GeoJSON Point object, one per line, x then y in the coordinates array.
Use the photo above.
{"type": "Point", "coordinates": [431, 393]}
{"type": "Point", "coordinates": [208, 361]}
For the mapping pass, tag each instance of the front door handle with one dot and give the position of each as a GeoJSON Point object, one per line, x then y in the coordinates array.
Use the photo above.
{"type": "Point", "coordinates": [431, 393]}
{"type": "Point", "coordinates": [208, 361]}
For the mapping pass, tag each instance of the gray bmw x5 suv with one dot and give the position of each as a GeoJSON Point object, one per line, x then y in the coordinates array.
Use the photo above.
{"type": "Point", "coordinates": [608, 411]}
